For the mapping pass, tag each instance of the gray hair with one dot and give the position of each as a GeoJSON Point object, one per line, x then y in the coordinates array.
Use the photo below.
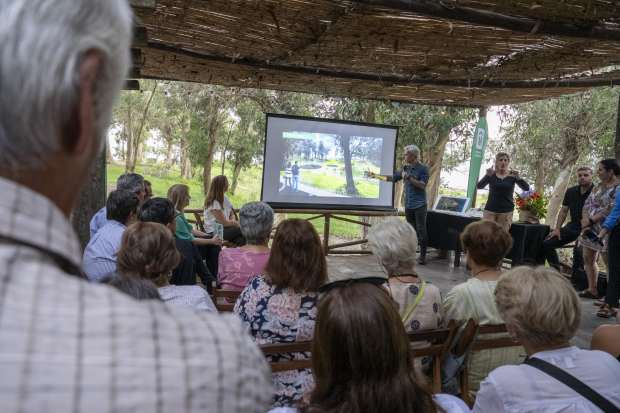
{"type": "Point", "coordinates": [42, 43]}
{"type": "Point", "coordinates": [255, 222]}
{"type": "Point", "coordinates": [394, 243]}
{"type": "Point", "coordinates": [413, 150]}
{"type": "Point", "coordinates": [130, 182]}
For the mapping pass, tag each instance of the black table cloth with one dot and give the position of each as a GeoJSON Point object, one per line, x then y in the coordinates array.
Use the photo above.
{"type": "Point", "coordinates": [444, 230]}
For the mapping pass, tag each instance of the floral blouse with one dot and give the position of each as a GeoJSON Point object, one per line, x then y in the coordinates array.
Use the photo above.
{"type": "Point", "coordinates": [273, 315]}
{"type": "Point", "coordinates": [600, 202]}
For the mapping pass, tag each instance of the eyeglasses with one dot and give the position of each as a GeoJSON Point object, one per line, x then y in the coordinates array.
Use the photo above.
{"type": "Point", "coordinates": [378, 281]}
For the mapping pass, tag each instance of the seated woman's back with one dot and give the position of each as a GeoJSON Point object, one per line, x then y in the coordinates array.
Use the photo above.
{"type": "Point", "coordinates": [281, 304]}
{"type": "Point", "coordinates": [486, 244]}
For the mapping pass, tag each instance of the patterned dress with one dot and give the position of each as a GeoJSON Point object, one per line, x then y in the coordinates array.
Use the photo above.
{"type": "Point", "coordinates": [428, 314]}
{"type": "Point", "coordinates": [237, 267]}
{"type": "Point", "coordinates": [600, 202]}
{"type": "Point", "coordinates": [273, 315]}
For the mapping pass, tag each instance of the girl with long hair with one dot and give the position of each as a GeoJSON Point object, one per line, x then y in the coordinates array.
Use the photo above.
{"type": "Point", "coordinates": [362, 360]}
{"type": "Point", "coordinates": [207, 245]}
{"type": "Point", "coordinates": [219, 208]}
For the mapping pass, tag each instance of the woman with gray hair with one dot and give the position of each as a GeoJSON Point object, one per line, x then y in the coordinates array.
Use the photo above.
{"type": "Point", "coordinates": [542, 312]}
{"type": "Point", "coordinates": [394, 243]}
{"type": "Point", "coordinates": [237, 266]}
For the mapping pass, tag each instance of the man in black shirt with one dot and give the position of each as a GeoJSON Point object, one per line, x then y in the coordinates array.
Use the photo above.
{"type": "Point", "coordinates": [574, 198]}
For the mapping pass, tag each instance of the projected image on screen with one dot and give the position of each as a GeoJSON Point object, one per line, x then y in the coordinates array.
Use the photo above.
{"type": "Point", "coordinates": [327, 163]}
{"type": "Point", "coordinates": [319, 164]}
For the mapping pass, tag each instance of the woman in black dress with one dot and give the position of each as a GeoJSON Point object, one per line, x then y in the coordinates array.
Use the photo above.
{"type": "Point", "coordinates": [501, 180]}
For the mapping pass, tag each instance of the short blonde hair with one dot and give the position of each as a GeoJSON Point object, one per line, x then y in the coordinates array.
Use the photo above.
{"type": "Point", "coordinates": [394, 243]}
{"type": "Point", "coordinates": [539, 303]}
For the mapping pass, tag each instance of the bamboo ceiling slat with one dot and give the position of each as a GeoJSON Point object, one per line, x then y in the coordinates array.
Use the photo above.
{"type": "Point", "coordinates": [343, 36]}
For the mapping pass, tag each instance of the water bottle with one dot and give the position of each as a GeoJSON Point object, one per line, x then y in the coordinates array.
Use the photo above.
{"type": "Point", "coordinates": [218, 229]}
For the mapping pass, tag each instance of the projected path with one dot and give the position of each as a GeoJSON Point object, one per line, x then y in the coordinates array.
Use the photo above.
{"type": "Point", "coordinates": [305, 190]}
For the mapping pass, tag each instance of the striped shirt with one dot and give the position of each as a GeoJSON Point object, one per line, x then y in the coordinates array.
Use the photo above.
{"type": "Point", "coordinates": [98, 221]}
{"type": "Point", "coordinates": [475, 299]}
{"type": "Point", "coordinates": [70, 346]}
{"type": "Point", "coordinates": [100, 253]}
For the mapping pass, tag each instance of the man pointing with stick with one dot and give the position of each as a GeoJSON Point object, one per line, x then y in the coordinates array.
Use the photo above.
{"type": "Point", "coordinates": [416, 178]}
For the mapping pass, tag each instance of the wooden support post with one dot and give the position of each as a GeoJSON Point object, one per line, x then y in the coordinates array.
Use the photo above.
{"type": "Point", "coordinates": [457, 259]}
{"type": "Point", "coordinates": [326, 233]}
{"type": "Point", "coordinates": [92, 199]}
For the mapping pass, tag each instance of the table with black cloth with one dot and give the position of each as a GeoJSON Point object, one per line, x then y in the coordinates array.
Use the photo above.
{"type": "Point", "coordinates": [444, 230]}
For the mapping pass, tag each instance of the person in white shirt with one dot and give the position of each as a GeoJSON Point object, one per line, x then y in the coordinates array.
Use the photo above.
{"type": "Point", "coordinates": [148, 251]}
{"type": "Point", "coordinates": [542, 312]}
{"type": "Point", "coordinates": [361, 357]}
{"type": "Point", "coordinates": [219, 208]}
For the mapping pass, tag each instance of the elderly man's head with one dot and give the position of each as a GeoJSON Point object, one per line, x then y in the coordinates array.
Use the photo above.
{"type": "Point", "coordinates": [255, 222]}
{"type": "Point", "coordinates": [132, 183]}
{"type": "Point", "coordinates": [394, 243]}
{"type": "Point", "coordinates": [62, 65]}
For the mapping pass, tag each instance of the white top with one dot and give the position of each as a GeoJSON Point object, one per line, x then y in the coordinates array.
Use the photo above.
{"type": "Point", "coordinates": [190, 296]}
{"type": "Point", "coordinates": [525, 389]}
{"type": "Point", "coordinates": [449, 403]}
{"type": "Point", "coordinates": [210, 219]}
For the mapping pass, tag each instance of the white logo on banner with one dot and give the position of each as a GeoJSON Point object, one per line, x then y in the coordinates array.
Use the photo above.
{"type": "Point", "coordinates": [480, 140]}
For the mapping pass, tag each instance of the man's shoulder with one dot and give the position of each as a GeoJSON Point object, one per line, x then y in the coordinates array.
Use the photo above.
{"type": "Point", "coordinates": [573, 189]}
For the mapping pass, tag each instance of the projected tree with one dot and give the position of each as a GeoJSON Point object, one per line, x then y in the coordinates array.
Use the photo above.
{"type": "Point", "coordinates": [345, 142]}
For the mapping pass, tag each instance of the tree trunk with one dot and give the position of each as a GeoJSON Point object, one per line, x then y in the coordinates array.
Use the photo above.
{"type": "Point", "coordinates": [346, 151]}
{"type": "Point", "coordinates": [140, 154]}
{"type": "Point", "coordinates": [109, 157]}
{"type": "Point", "coordinates": [238, 164]}
{"type": "Point", "coordinates": [214, 128]}
{"type": "Point", "coordinates": [541, 177]}
{"type": "Point", "coordinates": [169, 150]}
{"type": "Point", "coordinates": [138, 140]}
{"type": "Point", "coordinates": [129, 163]}
{"type": "Point", "coordinates": [617, 141]}
{"type": "Point", "coordinates": [561, 184]}
{"type": "Point", "coordinates": [434, 166]}
{"type": "Point", "coordinates": [223, 159]}
{"type": "Point", "coordinates": [184, 153]}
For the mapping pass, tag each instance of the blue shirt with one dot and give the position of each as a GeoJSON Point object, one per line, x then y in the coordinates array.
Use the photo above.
{"type": "Point", "coordinates": [100, 253]}
{"type": "Point", "coordinates": [98, 221]}
{"type": "Point", "coordinates": [415, 197]}
{"type": "Point", "coordinates": [295, 169]}
{"type": "Point", "coordinates": [613, 217]}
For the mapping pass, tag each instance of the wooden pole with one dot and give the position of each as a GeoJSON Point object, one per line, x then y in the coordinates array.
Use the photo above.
{"type": "Point", "coordinates": [326, 234]}
{"type": "Point", "coordinates": [481, 114]}
{"type": "Point", "coordinates": [501, 21]}
{"type": "Point", "coordinates": [378, 77]}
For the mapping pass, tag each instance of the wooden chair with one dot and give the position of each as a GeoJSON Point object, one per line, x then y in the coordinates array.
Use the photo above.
{"type": "Point", "coordinates": [441, 339]}
{"type": "Point", "coordinates": [224, 307]}
{"type": "Point", "coordinates": [485, 344]}
{"type": "Point", "coordinates": [283, 348]}
{"type": "Point", "coordinates": [469, 334]}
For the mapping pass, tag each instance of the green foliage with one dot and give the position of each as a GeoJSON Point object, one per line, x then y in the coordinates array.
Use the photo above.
{"type": "Point", "coordinates": [534, 202]}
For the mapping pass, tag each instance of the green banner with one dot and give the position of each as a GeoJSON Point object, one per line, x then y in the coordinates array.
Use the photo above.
{"type": "Point", "coordinates": [481, 135]}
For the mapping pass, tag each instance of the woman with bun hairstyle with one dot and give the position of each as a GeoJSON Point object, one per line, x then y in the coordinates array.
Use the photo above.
{"type": "Point", "coordinates": [501, 180]}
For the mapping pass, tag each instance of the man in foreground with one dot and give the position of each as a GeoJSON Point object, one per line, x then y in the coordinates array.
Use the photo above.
{"type": "Point", "coordinates": [67, 345]}
{"type": "Point", "coordinates": [574, 199]}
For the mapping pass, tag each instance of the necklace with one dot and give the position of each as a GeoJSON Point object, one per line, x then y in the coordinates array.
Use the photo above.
{"type": "Point", "coordinates": [488, 269]}
{"type": "Point", "coordinates": [414, 275]}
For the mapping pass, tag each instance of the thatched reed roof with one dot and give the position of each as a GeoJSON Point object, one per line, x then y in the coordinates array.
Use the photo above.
{"type": "Point", "coordinates": [351, 49]}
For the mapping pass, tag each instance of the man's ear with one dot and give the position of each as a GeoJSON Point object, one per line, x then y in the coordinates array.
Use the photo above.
{"type": "Point", "coordinates": [79, 137]}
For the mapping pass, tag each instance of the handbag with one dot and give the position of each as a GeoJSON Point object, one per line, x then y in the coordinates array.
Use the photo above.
{"type": "Point", "coordinates": [571, 381]}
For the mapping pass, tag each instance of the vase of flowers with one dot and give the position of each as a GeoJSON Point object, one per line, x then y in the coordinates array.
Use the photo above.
{"type": "Point", "coordinates": [532, 206]}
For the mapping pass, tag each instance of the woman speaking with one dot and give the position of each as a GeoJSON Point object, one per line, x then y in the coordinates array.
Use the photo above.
{"type": "Point", "coordinates": [501, 181]}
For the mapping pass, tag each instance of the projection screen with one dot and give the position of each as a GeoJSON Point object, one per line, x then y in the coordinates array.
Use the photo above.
{"type": "Point", "coordinates": [314, 163]}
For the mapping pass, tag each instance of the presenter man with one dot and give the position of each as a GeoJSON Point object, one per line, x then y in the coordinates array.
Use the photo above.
{"type": "Point", "coordinates": [574, 199]}
{"type": "Point", "coordinates": [416, 176]}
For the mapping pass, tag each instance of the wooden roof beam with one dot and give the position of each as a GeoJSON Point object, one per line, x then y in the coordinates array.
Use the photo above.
{"type": "Point", "coordinates": [486, 18]}
{"type": "Point", "coordinates": [388, 79]}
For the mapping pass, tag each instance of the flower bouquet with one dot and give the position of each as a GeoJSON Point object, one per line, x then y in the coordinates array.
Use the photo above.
{"type": "Point", "coordinates": [532, 206]}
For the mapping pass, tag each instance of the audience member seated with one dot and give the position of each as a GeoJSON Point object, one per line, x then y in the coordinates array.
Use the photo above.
{"type": "Point", "coordinates": [219, 208]}
{"type": "Point", "coordinates": [607, 338]}
{"type": "Point", "coordinates": [100, 253]}
{"type": "Point", "coordinates": [148, 252]}
{"type": "Point", "coordinates": [67, 345]}
{"type": "Point", "coordinates": [486, 243]}
{"type": "Point", "coordinates": [207, 245]}
{"type": "Point", "coordinates": [161, 211]}
{"type": "Point", "coordinates": [394, 243]}
{"type": "Point", "coordinates": [280, 305]}
{"type": "Point", "coordinates": [133, 183]}
{"type": "Point", "coordinates": [361, 358]}
{"type": "Point", "coordinates": [542, 312]}
{"type": "Point", "coordinates": [132, 286]}
{"type": "Point", "coordinates": [239, 265]}
{"type": "Point", "coordinates": [148, 191]}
